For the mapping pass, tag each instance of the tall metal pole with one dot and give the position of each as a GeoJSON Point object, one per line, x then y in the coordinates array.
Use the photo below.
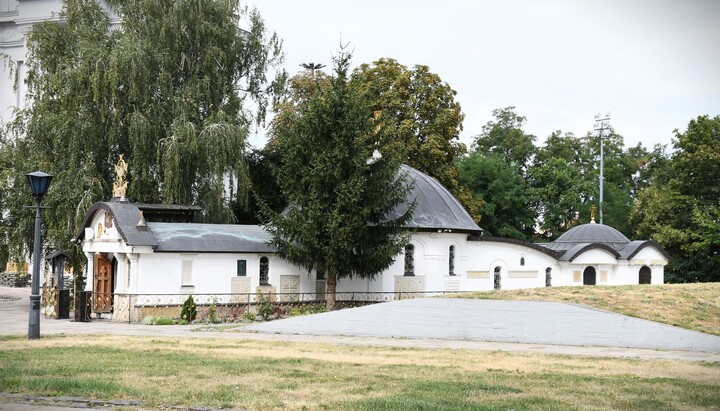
{"type": "Point", "coordinates": [602, 178]}
{"type": "Point", "coordinates": [602, 125]}
{"type": "Point", "coordinates": [34, 320]}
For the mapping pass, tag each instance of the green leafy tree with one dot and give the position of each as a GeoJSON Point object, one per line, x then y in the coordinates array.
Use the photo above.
{"type": "Point", "coordinates": [496, 173]}
{"type": "Point", "coordinates": [340, 199]}
{"type": "Point", "coordinates": [557, 180]}
{"type": "Point", "coordinates": [167, 88]}
{"type": "Point", "coordinates": [423, 117]}
{"type": "Point", "coordinates": [564, 177]}
{"type": "Point", "coordinates": [696, 161]}
{"type": "Point", "coordinates": [680, 208]}
{"type": "Point", "coordinates": [504, 136]}
{"type": "Point", "coordinates": [506, 209]}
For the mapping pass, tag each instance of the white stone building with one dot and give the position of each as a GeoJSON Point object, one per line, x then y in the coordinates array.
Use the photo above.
{"type": "Point", "coordinates": [131, 253]}
{"type": "Point", "coordinates": [17, 18]}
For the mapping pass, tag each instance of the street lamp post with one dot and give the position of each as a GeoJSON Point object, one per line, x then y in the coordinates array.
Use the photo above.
{"type": "Point", "coordinates": [39, 184]}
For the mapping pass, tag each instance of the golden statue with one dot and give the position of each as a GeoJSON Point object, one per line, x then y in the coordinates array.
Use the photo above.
{"type": "Point", "coordinates": [593, 209]}
{"type": "Point", "coordinates": [120, 184]}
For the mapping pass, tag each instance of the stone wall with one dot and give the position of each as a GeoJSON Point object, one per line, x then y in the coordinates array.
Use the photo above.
{"type": "Point", "coordinates": [14, 279]}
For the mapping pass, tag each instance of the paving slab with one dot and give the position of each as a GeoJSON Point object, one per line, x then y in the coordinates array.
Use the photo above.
{"type": "Point", "coordinates": [529, 322]}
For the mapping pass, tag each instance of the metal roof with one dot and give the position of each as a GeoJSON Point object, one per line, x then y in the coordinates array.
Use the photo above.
{"type": "Point", "coordinates": [635, 247]}
{"type": "Point", "coordinates": [573, 252]}
{"type": "Point", "coordinates": [126, 216]}
{"type": "Point", "coordinates": [211, 238]}
{"type": "Point", "coordinates": [435, 208]}
{"type": "Point", "coordinates": [589, 234]}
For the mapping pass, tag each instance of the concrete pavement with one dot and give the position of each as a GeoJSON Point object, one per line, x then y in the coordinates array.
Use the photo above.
{"type": "Point", "coordinates": [519, 326]}
{"type": "Point", "coordinates": [529, 322]}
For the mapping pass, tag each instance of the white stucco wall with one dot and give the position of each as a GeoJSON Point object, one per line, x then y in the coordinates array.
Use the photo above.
{"type": "Point", "coordinates": [141, 270]}
{"type": "Point", "coordinates": [13, 31]}
{"type": "Point", "coordinates": [212, 273]}
{"type": "Point", "coordinates": [485, 256]}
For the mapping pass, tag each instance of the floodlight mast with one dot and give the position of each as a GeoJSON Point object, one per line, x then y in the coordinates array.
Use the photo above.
{"type": "Point", "coordinates": [602, 126]}
{"type": "Point", "coordinates": [312, 67]}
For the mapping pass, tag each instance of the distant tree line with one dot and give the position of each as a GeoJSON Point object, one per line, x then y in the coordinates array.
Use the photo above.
{"type": "Point", "coordinates": [536, 193]}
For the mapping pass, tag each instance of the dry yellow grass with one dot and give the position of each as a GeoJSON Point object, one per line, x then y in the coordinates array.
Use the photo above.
{"type": "Point", "coordinates": [283, 375]}
{"type": "Point", "coordinates": [382, 356]}
{"type": "Point", "coordinates": [692, 306]}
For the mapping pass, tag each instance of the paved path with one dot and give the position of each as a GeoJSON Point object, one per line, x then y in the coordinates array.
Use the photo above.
{"type": "Point", "coordinates": [530, 322]}
{"type": "Point", "coordinates": [519, 326]}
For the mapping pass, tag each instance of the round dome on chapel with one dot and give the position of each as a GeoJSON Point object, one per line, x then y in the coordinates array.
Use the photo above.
{"type": "Point", "coordinates": [592, 233]}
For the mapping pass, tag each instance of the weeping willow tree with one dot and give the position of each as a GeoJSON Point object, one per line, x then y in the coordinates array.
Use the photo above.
{"type": "Point", "coordinates": [168, 86]}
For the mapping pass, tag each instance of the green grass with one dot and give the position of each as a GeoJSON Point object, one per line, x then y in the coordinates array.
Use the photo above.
{"type": "Point", "coordinates": [692, 306]}
{"type": "Point", "coordinates": [257, 375]}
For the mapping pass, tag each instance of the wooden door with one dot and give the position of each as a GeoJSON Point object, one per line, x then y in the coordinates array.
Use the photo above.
{"type": "Point", "coordinates": [102, 291]}
{"type": "Point", "coordinates": [589, 276]}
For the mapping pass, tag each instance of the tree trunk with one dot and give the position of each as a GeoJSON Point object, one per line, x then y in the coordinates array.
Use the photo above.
{"type": "Point", "coordinates": [331, 286]}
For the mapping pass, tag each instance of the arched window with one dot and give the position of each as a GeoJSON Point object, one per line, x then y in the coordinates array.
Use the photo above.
{"type": "Point", "coordinates": [548, 277]}
{"type": "Point", "coordinates": [451, 260]}
{"type": "Point", "coordinates": [522, 261]}
{"type": "Point", "coordinates": [645, 275]}
{"type": "Point", "coordinates": [409, 260]}
{"type": "Point", "coordinates": [264, 271]}
{"type": "Point", "coordinates": [496, 283]}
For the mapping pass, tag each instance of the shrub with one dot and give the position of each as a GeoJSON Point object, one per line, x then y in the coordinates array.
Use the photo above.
{"type": "Point", "coordinates": [249, 315]}
{"type": "Point", "coordinates": [212, 314]}
{"type": "Point", "coordinates": [265, 306]}
{"type": "Point", "coordinates": [306, 310]}
{"type": "Point", "coordinates": [150, 320]}
{"type": "Point", "coordinates": [189, 310]}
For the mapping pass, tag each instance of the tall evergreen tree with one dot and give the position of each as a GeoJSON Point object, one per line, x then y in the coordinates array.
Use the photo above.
{"type": "Point", "coordinates": [340, 197]}
{"type": "Point", "coordinates": [167, 88]}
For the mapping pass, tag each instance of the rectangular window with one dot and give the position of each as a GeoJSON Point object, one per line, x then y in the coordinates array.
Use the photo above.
{"type": "Point", "coordinates": [187, 267]}
{"type": "Point", "coordinates": [241, 268]}
{"type": "Point", "coordinates": [9, 6]}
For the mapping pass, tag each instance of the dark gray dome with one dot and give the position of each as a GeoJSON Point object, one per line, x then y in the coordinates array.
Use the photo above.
{"type": "Point", "coordinates": [435, 207]}
{"type": "Point", "coordinates": [590, 234]}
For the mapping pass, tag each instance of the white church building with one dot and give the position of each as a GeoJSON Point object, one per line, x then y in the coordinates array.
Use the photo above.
{"type": "Point", "coordinates": [131, 251]}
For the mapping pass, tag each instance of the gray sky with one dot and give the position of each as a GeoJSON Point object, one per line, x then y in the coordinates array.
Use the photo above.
{"type": "Point", "coordinates": [653, 64]}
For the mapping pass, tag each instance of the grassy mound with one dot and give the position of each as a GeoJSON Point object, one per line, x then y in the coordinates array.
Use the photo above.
{"type": "Point", "coordinates": [692, 306]}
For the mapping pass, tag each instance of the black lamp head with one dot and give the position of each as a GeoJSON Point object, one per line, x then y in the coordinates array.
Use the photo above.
{"type": "Point", "coordinates": [39, 183]}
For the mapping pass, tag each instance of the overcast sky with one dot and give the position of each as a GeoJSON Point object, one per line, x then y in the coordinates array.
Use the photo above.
{"type": "Point", "coordinates": [653, 64]}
